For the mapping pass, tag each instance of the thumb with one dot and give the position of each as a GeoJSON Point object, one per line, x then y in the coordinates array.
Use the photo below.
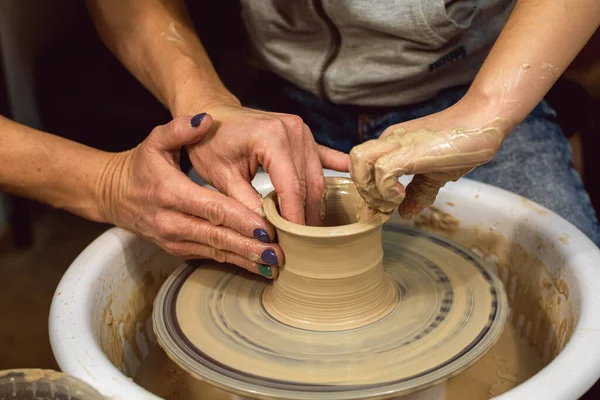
{"type": "Point", "coordinates": [420, 194]}
{"type": "Point", "coordinates": [422, 191]}
{"type": "Point", "coordinates": [181, 131]}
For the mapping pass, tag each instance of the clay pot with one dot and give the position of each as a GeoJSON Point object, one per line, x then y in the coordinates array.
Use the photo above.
{"type": "Point", "coordinates": [333, 276]}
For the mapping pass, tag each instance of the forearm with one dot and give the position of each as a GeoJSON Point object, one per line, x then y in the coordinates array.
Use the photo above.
{"type": "Point", "coordinates": [156, 41]}
{"type": "Point", "coordinates": [53, 170]}
{"type": "Point", "coordinates": [539, 41]}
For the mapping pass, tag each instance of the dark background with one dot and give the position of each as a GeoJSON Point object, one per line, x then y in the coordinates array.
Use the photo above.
{"type": "Point", "coordinates": [83, 93]}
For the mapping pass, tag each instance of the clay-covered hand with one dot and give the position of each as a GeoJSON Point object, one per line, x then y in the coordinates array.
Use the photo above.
{"type": "Point", "coordinates": [144, 191]}
{"type": "Point", "coordinates": [243, 139]}
{"type": "Point", "coordinates": [435, 149]}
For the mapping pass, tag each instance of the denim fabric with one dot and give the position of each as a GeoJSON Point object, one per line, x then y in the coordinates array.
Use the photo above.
{"type": "Point", "coordinates": [534, 162]}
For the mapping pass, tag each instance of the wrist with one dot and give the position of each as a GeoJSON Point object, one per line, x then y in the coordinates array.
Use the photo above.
{"type": "Point", "coordinates": [200, 96]}
{"type": "Point", "coordinates": [110, 185]}
{"type": "Point", "coordinates": [487, 111]}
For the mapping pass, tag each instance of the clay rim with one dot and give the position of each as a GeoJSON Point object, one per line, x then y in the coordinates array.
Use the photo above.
{"type": "Point", "coordinates": [272, 214]}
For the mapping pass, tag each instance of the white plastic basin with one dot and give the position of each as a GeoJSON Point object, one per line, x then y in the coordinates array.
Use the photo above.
{"type": "Point", "coordinates": [100, 326]}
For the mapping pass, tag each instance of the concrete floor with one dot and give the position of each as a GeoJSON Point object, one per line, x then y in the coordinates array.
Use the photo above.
{"type": "Point", "coordinates": [27, 281]}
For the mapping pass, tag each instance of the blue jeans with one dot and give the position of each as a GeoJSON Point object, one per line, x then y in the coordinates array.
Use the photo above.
{"type": "Point", "coordinates": [534, 162]}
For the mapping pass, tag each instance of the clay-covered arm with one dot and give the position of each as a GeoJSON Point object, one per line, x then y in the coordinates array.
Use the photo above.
{"type": "Point", "coordinates": [537, 44]}
{"type": "Point", "coordinates": [156, 41]}
{"type": "Point", "coordinates": [51, 169]}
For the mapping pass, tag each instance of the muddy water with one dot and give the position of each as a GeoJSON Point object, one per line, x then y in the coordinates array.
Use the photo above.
{"type": "Point", "coordinates": [161, 376]}
{"type": "Point", "coordinates": [509, 363]}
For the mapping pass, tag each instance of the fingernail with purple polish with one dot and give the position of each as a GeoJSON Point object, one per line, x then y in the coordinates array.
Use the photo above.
{"type": "Point", "coordinates": [262, 235]}
{"type": "Point", "coordinates": [269, 257]}
{"type": "Point", "coordinates": [197, 120]}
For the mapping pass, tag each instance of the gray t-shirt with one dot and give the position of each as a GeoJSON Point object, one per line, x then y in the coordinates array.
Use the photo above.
{"type": "Point", "coordinates": [374, 53]}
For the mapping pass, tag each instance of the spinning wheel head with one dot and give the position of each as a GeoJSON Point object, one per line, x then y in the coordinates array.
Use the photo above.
{"type": "Point", "coordinates": [450, 309]}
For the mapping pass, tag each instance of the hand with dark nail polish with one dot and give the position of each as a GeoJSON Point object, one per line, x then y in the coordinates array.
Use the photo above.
{"type": "Point", "coordinates": [282, 144]}
{"type": "Point", "coordinates": [160, 202]}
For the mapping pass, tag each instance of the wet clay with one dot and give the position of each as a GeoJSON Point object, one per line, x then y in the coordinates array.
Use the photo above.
{"type": "Point", "coordinates": [333, 276]}
{"type": "Point", "coordinates": [328, 319]}
{"type": "Point", "coordinates": [139, 309]}
{"type": "Point", "coordinates": [124, 328]}
{"type": "Point", "coordinates": [445, 305]}
{"type": "Point", "coordinates": [444, 156]}
{"type": "Point", "coordinates": [510, 362]}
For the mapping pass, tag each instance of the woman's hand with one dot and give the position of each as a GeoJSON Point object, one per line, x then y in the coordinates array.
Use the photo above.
{"type": "Point", "coordinates": [437, 149]}
{"type": "Point", "coordinates": [243, 139]}
{"type": "Point", "coordinates": [144, 191]}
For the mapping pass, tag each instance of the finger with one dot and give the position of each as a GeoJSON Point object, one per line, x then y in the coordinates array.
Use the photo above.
{"type": "Point", "coordinates": [219, 209]}
{"type": "Point", "coordinates": [296, 131]}
{"type": "Point", "coordinates": [291, 192]}
{"type": "Point", "coordinates": [431, 171]}
{"type": "Point", "coordinates": [316, 186]}
{"type": "Point", "coordinates": [420, 194]}
{"type": "Point", "coordinates": [388, 168]}
{"type": "Point", "coordinates": [362, 169]}
{"type": "Point", "coordinates": [333, 159]}
{"type": "Point", "coordinates": [193, 229]}
{"type": "Point", "coordinates": [192, 250]}
{"type": "Point", "coordinates": [175, 227]}
{"type": "Point", "coordinates": [181, 131]}
{"type": "Point", "coordinates": [241, 190]}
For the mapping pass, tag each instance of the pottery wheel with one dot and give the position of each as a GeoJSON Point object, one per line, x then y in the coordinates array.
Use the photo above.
{"type": "Point", "coordinates": [210, 319]}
